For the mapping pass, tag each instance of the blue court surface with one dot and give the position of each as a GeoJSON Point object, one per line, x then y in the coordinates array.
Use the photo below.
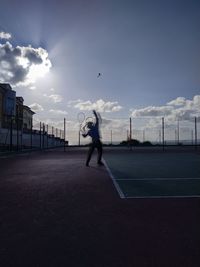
{"type": "Point", "coordinates": [154, 175]}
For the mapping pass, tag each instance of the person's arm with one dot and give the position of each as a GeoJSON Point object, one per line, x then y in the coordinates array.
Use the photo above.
{"type": "Point", "coordinates": [96, 116]}
{"type": "Point", "coordinates": [85, 134]}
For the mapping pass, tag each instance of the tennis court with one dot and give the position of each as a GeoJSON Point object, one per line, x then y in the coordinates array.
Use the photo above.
{"type": "Point", "coordinates": [137, 174]}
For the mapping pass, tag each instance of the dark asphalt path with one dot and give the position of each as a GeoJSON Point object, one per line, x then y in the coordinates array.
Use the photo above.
{"type": "Point", "coordinates": [54, 211]}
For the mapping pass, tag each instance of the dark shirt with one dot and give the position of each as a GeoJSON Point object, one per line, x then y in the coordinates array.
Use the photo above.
{"type": "Point", "coordinates": [94, 133]}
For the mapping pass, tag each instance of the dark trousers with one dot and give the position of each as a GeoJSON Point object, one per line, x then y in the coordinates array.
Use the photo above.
{"type": "Point", "coordinates": [93, 145]}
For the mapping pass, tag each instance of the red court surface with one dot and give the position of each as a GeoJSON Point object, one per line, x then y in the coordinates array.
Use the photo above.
{"type": "Point", "coordinates": [54, 211]}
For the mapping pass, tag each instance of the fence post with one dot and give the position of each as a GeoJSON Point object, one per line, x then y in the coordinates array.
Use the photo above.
{"type": "Point", "coordinates": [178, 131]}
{"type": "Point", "coordinates": [11, 134]}
{"type": "Point", "coordinates": [195, 132]}
{"type": "Point", "coordinates": [159, 133]}
{"type": "Point", "coordinates": [163, 133]}
{"type": "Point", "coordinates": [31, 133]}
{"type": "Point", "coordinates": [64, 132]}
{"type": "Point", "coordinates": [192, 137]}
{"type": "Point", "coordinates": [130, 124]}
{"type": "Point", "coordinates": [40, 135]}
{"type": "Point", "coordinates": [17, 118]}
{"type": "Point", "coordinates": [143, 136]}
{"type": "Point", "coordinates": [47, 136]}
{"type": "Point", "coordinates": [43, 135]}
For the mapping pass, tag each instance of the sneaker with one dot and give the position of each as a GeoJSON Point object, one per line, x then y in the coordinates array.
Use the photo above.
{"type": "Point", "coordinates": [100, 163]}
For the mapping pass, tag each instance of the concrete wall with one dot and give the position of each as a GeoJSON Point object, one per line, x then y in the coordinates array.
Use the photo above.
{"type": "Point", "coordinates": [26, 140]}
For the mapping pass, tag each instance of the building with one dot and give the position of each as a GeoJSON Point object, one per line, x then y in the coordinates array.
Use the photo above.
{"type": "Point", "coordinates": [7, 104]}
{"type": "Point", "coordinates": [27, 117]}
{"type": "Point", "coordinates": [1, 106]}
{"type": "Point", "coordinates": [19, 112]}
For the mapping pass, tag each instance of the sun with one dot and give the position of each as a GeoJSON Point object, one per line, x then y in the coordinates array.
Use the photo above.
{"type": "Point", "coordinates": [38, 71]}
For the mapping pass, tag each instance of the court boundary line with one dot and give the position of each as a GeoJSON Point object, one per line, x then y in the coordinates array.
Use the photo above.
{"type": "Point", "coordinates": [158, 197]}
{"type": "Point", "coordinates": [116, 185]}
{"type": "Point", "coordinates": [156, 179]}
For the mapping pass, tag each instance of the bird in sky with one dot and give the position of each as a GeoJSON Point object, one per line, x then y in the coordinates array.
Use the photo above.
{"type": "Point", "coordinates": [99, 74]}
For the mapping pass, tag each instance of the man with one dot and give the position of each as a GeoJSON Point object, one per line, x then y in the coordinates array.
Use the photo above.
{"type": "Point", "coordinates": [93, 132]}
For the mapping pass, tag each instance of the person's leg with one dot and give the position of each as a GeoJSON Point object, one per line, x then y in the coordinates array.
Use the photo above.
{"type": "Point", "coordinates": [89, 155]}
{"type": "Point", "coordinates": [100, 151]}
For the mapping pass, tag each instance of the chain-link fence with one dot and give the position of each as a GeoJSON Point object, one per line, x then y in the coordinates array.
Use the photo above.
{"type": "Point", "coordinates": [14, 135]}
{"type": "Point", "coordinates": [142, 131]}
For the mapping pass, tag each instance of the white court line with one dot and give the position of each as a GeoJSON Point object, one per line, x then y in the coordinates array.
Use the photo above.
{"type": "Point", "coordinates": [121, 194]}
{"type": "Point", "coordinates": [156, 179]}
{"type": "Point", "coordinates": [180, 196]}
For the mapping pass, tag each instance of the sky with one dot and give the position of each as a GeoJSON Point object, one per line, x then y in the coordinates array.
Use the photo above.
{"type": "Point", "coordinates": [148, 54]}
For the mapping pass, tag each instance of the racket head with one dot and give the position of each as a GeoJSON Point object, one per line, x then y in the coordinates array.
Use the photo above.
{"type": "Point", "coordinates": [81, 117]}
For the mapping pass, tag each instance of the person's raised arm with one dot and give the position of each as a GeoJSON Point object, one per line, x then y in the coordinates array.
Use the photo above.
{"type": "Point", "coordinates": [96, 116]}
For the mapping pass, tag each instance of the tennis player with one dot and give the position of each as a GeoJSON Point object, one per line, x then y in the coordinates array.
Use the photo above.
{"type": "Point", "coordinates": [93, 132]}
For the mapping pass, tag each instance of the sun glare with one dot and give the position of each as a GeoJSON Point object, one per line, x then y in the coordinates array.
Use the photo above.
{"type": "Point", "coordinates": [37, 71]}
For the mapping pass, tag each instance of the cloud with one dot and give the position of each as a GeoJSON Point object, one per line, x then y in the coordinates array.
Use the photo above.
{"type": "Point", "coordinates": [58, 111]}
{"type": "Point", "coordinates": [32, 87]}
{"type": "Point", "coordinates": [100, 105]}
{"type": "Point", "coordinates": [178, 109]}
{"type": "Point", "coordinates": [5, 35]}
{"type": "Point", "coordinates": [22, 65]}
{"type": "Point", "coordinates": [36, 107]}
{"type": "Point", "coordinates": [71, 103]}
{"type": "Point", "coordinates": [152, 111]}
{"type": "Point", "coordinates": [54, 98]}
{"type": "Point", "coordinates": [179, 101]}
